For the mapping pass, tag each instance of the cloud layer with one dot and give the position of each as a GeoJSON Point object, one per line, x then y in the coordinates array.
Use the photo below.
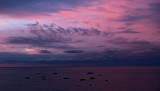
{"type": "Point", "coordinates": [77, 32]}
{"type": "Point", "coordinates": [25, 7]}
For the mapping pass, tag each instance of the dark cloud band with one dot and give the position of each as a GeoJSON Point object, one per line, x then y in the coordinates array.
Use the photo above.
{"type": "Point", "coordinates": [30, 7]}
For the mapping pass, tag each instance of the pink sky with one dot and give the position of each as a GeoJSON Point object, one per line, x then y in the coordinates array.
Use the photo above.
{"type": "Point", "coordinates": [94, 26]}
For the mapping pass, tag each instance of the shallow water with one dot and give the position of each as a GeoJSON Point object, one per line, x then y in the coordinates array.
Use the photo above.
{"type": "Point", "coordinates": [70, 79]}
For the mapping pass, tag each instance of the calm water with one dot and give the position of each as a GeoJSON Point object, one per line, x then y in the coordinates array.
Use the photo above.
{"type": "Point", "coordinates": [80, 79]}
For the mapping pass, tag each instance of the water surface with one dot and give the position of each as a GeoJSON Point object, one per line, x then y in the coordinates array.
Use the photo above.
{"type": "Point", "coordinates": [70, 79]}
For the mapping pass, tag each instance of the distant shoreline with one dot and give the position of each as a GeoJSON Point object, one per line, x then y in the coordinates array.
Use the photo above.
{"type": "Point", "coordinates": [77, 66]}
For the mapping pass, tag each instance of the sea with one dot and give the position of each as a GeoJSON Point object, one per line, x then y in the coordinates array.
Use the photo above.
{"type": "Point", "coordinates": [80, 78]}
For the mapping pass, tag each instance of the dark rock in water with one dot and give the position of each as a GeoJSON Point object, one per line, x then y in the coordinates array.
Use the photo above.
{"type": "Point", "coordinates": [79, 85]}
{"type": "Point", "coordinates": [106, 80]}
{"type": "Point", "coordinates": [92, 78]}
{"type": "Point", "coordinates": [55, 73]}
{"type": "Point", "coordinates": [83, 79]}
{"type": "Point", "coordinates": [27, 77]}
{"type": "Point", "coordinates": [66, 78]}
{"type": "Point", "coordinates": [37, 73]}
{"type": "Point", "coordinates": [43, 77]}
{"type": "Point", "coordinates": [90, 84]}
{"type": "Point", "coordinates": [99, 74]}
{"type": "Point", "coordinates": [90, 73]}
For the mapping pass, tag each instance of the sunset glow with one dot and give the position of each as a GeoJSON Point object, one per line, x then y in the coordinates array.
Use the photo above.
{"type": "Point", "coordinates": [69, 32]}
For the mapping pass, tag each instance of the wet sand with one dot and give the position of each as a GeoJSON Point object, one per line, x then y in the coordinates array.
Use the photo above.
{"type": "Point", "coordinates": [80, 79]}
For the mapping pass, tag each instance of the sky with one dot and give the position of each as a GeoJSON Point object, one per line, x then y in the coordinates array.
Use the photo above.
{"type": "Point", "coordinates": [79, 33]}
